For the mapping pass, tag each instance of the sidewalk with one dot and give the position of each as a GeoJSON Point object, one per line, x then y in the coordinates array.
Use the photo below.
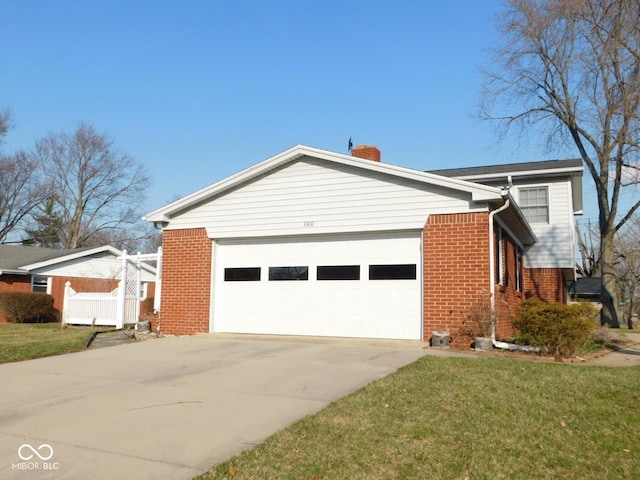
{"type": "Point", "coordinates": [626, 357]}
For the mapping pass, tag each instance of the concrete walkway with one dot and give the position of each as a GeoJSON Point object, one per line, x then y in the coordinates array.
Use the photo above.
{"type": "Point", "coordinates": [171, 408]}
{"type": "Point", "coordinates": [625, 357]}
{"type": "Point", "coordinates": [113, 338]}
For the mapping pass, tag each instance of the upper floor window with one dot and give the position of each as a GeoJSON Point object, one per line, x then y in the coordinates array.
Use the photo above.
{"type": "Point", "coordinates": [534, 203]}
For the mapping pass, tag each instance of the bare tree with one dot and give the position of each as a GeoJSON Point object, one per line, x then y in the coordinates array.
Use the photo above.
{"type": "Point", "coordinates": [20, 191]}
{"type": "Point", "coordinates": [589, 247]}
{"type": "Point", "coordinates": [5, 122]}
{"type": "Point", "coordinates": [572, 69]}
{"type": "Point", "coordinates": [97, 187]}
{"type": "Point", "coordinates": [141, 237]}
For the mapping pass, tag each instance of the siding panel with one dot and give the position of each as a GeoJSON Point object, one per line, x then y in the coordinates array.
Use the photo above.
{"type": "Point", "coordinates": [106, 268]}
{"type": "Point", "coordinates": [554, 248]}
{"type": "Point", "coordinates": [312, 197]}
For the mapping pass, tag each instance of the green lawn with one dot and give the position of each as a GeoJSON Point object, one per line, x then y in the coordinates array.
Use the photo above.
{"type": "Point", "coordinates": [452, 418]}
{"type": "Point", "coordinates": [23, 341]}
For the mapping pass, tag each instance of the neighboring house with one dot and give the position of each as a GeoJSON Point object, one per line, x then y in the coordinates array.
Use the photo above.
{"type": "Point", "coordinates": [312, 242]}
{"type": "Point", "coordinates": [32, 269]}
{"type": "Point", "coordinates": [586, 290]}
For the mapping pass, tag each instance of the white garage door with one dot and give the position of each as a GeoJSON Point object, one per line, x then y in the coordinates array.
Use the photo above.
{"type": "Point", "coordinates": [344, 286]}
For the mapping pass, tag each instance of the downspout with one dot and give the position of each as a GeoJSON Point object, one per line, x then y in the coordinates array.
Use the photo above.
{"type": "Point", "coordinates": [492, 259]}
{"type": "Point", "coordinates": [492, 279]}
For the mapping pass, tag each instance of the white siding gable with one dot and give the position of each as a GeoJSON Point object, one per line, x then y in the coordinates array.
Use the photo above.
{"type": "Point", "coordinates": [89, 267]}
{"type": "Point", "coordinates": [312, 196]}
{"type": "Point", "coordinates": [555, 245]}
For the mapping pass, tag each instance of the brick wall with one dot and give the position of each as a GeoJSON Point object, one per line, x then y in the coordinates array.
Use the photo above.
{"type": "Point", "coordinates": [544, 283]}
{"type": "Point", "coordinates": [457, 276]}
{"type": "Point", "coordinates": [14, 283]}
{"type": "Point", "coordinates": [508, 295]}
{"type": "Point", "coordinates": [456, 269]}
{"type": "Point", "coordinates": [186, 281]}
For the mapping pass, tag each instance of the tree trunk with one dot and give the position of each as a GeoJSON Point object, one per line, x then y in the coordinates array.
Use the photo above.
{"type": "Point", "coordinates": [609, 314]}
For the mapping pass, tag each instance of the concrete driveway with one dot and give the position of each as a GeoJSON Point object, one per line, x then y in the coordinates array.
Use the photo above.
{"type": "Point", "coordinates": [172, 407]}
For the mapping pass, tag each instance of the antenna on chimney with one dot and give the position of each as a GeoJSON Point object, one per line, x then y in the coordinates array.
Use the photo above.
{"type": "Point", "coordinates": [350, 146]}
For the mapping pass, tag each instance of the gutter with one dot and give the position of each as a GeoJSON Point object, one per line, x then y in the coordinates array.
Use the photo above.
{"type": "Point", "coordinates": [492, 286]}
{"type": "Point", "coordinates": [492, 260]}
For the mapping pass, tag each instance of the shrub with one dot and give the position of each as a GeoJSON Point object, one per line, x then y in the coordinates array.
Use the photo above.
{"type": "Point", "coordinates": [480, 318]}
{"type": "Point", "coordinates": [21, 307]}
{"type": "Point", "coordinates": [556, 328]}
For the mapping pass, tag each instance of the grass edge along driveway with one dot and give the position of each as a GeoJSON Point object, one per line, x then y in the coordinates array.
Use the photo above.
{"type": "Point", "coordinates": [25, 341]}
{"type": "Point", "coordinates": [453, 418]}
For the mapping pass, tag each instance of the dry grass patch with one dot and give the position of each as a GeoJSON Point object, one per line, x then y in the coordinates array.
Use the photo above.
{"type": "Point", "coordinates": [451, 418]}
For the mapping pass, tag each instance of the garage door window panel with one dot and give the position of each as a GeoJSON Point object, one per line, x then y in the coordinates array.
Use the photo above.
{"type": "Point", "coordinates": [338, 272]}
{"type": "Point", "coordinates": [251, 274]}
{"type": "Point", "coordinates": [392, 272]}
{"type": "Point", "coordinates": [288, 273]}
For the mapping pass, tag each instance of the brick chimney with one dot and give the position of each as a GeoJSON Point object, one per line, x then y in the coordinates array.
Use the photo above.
{"type": "Point", "coordinates": [366, 152]}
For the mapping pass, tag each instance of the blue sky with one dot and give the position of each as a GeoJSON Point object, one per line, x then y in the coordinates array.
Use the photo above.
{"type": "Point", "coordinates": [198, 90]}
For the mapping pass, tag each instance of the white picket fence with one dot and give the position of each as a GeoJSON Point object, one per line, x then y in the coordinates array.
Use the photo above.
{"type": "Point", "coordinates": [116, 308]}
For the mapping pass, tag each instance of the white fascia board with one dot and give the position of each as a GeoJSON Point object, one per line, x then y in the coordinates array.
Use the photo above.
{"type": "Point", "coordinates": [13, 272]}
{"type": "Point", "coordinates": [73, 256]}
{"type": "Point", "coordinates": [478, 192]}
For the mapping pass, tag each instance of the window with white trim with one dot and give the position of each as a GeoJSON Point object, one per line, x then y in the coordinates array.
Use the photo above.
{"type": "Point", "coordinates": [500, 257]}
{"type": "Point", "coordinates": [534, 203]}
{"type": "Point", "coordinates": [39, 283]}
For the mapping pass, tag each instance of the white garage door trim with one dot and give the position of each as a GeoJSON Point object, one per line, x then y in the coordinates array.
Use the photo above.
{"type": "Point", "coordinates": [366, 307]}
